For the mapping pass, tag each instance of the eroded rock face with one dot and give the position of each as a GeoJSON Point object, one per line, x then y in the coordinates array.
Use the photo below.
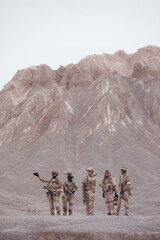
{"type": "Point", "coordinates": [102, 111]}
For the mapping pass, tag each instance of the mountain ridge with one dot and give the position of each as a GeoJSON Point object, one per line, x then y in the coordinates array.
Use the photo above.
{"type": "Point", "coordinates": [102, 111]}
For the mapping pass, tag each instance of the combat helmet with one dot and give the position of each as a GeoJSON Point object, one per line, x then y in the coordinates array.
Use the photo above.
{"type": "Point", "coordinates": [124, 169]}
{"type": "Point", "coordinates": [55, 172]}
{"type": "Point", "coordinates": [90, 169]}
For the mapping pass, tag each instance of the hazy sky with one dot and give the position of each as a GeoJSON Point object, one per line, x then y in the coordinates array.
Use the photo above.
{"type": "Point", "coordinates": [60, 32]}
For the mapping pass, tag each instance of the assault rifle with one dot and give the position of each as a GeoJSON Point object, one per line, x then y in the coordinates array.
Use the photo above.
{"type": "Point", "coordinates": [50, 191]}
{"type": "Point", "coordinates": [70, 192]}
{"type": "Point", "coordinates": [94, 174]}
{"type": "Point", "coordinates": [121, 190]}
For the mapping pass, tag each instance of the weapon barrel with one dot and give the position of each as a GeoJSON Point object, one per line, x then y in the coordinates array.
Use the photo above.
{"type": "Point", "coordinates": [71, 192]}
{"type": "Point", "coordinates": [95, 174]}
{"type": "Point", "coordinates": [49, 190]}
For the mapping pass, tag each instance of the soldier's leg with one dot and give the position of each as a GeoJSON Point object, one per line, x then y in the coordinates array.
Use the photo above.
{"type": "Point", "coordinates": [70, 201]}
{"type": "Point", "coordinates": [87, 205]}
{"type": "Point", "coordinates": [91, 207]}
{"type": "Point", "coordinates": [126, 205]}
{"type": "Point", "coordinates": [107, 203]}
{"type": "Point", "coordinates": [112, 207]}
{"type": "Point", "coordinates": [91, 203]}
{"type": "Point", "coordinates": [108, 208]}
{"type": "Point", "coordinates": [50, 198]}
{"type": "Point", "coordinates": [118, 206]}
{"type": "Point", "coordinates": [64, 200]}
{"type": "Point", "coordinates": [56, 202]}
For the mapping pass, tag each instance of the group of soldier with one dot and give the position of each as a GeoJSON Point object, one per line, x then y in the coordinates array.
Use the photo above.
{"type": "Point", "coordinates": [56, 187]}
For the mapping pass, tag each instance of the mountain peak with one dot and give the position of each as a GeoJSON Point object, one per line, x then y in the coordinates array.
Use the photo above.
{"type": "Point", "coordinates": [98, 112]}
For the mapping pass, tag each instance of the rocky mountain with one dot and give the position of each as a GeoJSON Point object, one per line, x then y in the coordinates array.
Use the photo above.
{"type": "Point", "coordinates": [103, 112]}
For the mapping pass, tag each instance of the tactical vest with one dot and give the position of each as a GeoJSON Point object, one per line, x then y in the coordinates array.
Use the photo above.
{"type": "Point", "coordinates": [89, 183]}
{"type": "Point", "coordinates": [126, 179]}
{"type": "Point", "coordinates": [54, 184]}
{"type": "Point", "coordinates": [71, 186]}
{"type": "Point", "coordinates": [108, 184]}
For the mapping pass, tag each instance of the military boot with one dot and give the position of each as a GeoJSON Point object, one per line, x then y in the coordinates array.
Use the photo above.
{"type": "Point", "coordinates": [70, 212]}
{"type": "Point", "coordinates": [126, 214]}
{"type": "Point", "coordinates": [64, 211]}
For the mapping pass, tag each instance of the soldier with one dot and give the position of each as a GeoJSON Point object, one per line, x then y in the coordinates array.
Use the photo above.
{"type": "Point", "coordinates": [125, 191]}
{"type": "Point", "coordinates": [88, 191]}
{"type": "Point", "coordinates": [55, 186]}
{"type": "Point", "coordinates": [109, 190]}
{"type": "Point", "coordinates": [69, 188]}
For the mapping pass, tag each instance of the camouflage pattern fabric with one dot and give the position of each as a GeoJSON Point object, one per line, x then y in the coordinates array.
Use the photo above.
{"type": "Point", "coordinates": [109, 186]}
{"type": "Point", "coordinates": [88, 191]}
{"type": "Point", "coordinates": [125, 196]}
{"type": "Point", "coordinates": [67, 198]}
{"type": "Point", "coordinates": [55, 185]}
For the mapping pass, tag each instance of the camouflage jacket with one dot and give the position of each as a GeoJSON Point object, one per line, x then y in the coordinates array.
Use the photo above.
{"type": "Point", "coordinates": [88, 184]}
{"type": "Point", "coordinates": [125, 181]}
{"type": "Point", "coordinates": [108, 184]}
{"type": "Point", "coordinates": [55, 184]}
{"type": "Point", "coordinates": [71, 185]}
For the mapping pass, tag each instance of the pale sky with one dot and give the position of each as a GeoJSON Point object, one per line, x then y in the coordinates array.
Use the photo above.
{"type": "Point", "coordinates": [60, 32]}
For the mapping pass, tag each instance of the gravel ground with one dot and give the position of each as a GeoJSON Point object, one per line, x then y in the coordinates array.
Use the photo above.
{"type": "Point", "coordinates": [18, 222]}
{"type": "Point", "coordinates": [79, 227]}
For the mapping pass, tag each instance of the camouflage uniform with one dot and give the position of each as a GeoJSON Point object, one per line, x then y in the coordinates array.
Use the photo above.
{"type": "Point", "coordinates": [125, 194]}
{"type": "Point", "coordinates": [67, 197]}
{"type": "Point", "coordinates": [55, 185]}
{"type": "Point", "coordinates": [88, 191]}
{"type": "Point", "coordinates": [109, 186]}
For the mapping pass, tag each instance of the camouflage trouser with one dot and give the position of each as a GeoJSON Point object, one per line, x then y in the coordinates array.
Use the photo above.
{"type": "Point", "coordinates": [109, 199]}
{"type": "Point", "coordinates": [67, 200]}
{"type": "Point", "coordinates": [125, 198]}
{"type": "Point", "coordinates": [89, 203]}
{"type": "Point", "coordinates": [54, 203]}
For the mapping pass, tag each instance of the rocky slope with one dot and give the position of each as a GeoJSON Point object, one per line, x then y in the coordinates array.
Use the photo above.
{"type": "Point", "coordinates": [103, 112]}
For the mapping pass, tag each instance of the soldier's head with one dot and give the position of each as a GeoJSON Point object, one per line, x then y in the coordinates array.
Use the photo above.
{"type": "Point", "coordinates": [123, 170]}
{"type": "Point", "coordinates": [54, 174]}
{"type": "Point", "coordinates": [70, 176]}
{"type": "Point", "coordinates": [107, 173]}
{"type": "Point", "coordinates": [90, 171]}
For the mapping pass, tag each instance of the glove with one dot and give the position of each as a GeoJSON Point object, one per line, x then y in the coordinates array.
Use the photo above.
{"type": "Point", "coordinates": [73, 192]}
{"type": "Point", "coordinates": [121, 192]}
{"type": "Point", "coordinates": [36, 174]}
{"type": "Point", "coordinates": [103, 195]}
{"type": "Point", "coordinates": [116, 195]}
